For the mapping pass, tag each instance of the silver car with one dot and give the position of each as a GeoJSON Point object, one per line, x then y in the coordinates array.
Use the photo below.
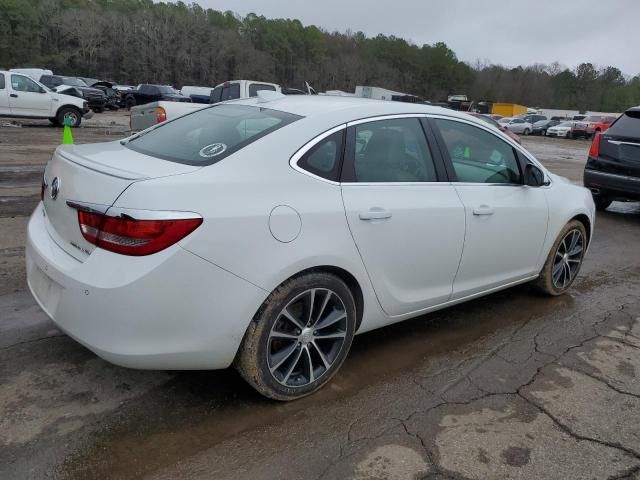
{"type": "Point", "coordinates": [516, 125]}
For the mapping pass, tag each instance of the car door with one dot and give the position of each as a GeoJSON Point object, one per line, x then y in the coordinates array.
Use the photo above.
{"type": "Point", "coordinates": [27, 98]}
{"type": "Point", "coordinates": [405, 218]}
{"type": "Point", "coordinates": [517, 125]}
{"type": "Point", "coordinates": [4, 96]}
{"type": "Point", "coordinates": [506, 220]}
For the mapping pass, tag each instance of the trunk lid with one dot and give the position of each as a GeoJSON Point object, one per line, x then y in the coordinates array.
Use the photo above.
{"type": "Point", "coordinates": [95, 175]}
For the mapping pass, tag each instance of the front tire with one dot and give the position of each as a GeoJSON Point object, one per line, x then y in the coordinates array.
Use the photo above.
{"type": "Point", "coordinates": [299, 338]}
{"type": "Point", "coordinates": [69, 113]}
{"type": "Point", "coordinates": [526, 132]}
{"type": "Point", "coordinates": [564, 260]}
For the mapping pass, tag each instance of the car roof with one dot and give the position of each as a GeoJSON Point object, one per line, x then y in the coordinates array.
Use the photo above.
{"type": "Point", "coordinates": [339, 109]}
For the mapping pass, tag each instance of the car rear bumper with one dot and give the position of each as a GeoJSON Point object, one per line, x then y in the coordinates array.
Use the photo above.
{"type": "Point", "coordinates": [171, 310]}
{"type": "Point", "coordinates": [612, 185]}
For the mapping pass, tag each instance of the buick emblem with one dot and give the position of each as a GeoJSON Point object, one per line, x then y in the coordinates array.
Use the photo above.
{"type": "Point", "coordinates": [55, 188]}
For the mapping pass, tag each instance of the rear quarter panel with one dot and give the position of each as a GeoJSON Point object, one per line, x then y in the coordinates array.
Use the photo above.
{"type": "Point", "coordinates": [236, 197]}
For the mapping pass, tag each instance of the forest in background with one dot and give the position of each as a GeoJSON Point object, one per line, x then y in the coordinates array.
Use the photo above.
{"type": "Point", "coordinates": [139, 41]}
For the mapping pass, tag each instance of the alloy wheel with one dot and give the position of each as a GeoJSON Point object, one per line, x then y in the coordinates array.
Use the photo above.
{"type": "Point", "coordinates": [307, 337]}
{"type": "Point", "coordinates": [568, 257]}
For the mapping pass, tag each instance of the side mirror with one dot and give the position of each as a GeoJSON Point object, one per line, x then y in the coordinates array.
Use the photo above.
{"type": "Point", "coordinates": [533, 176]}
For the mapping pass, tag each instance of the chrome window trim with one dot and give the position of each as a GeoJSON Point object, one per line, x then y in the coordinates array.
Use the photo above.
{"type": "Point", "coordinates": [293, 162]}
{"type": "Point", "coordinates": [378, 118]}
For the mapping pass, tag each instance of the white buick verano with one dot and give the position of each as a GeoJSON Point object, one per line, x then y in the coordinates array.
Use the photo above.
{"type": "Point", "coordinates": [265, 233]}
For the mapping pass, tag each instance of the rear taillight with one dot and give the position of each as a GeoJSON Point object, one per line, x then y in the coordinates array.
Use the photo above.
{"type": "Point", "coordinates": [594, 151]}
{"type": "Point", "coordinates": [129, 236]}
{"type": "Point", "coordinates": [161, 114]}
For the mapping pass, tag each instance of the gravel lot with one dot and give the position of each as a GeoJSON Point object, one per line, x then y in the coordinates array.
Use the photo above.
{"type": "Point", "coordinates": [514, 385]}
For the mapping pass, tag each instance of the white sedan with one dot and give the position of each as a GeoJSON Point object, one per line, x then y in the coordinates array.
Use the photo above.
{"type": "Point", "coordinates": [516, 125]}
{"type": "Point", "coordinates": [564, 130]}
{"type": "Point", "coordinates": [265, 233]}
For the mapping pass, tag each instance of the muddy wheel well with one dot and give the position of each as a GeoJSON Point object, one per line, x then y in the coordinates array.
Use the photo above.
{"type": "Point", "coordinates": [347, 278]}
{"type": "Point", "coordinates": [584, 220]}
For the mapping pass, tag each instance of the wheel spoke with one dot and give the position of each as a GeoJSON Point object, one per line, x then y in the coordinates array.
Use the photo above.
{"type": "Point", "coordinates": [326, 362]}
{"type": "Point", "coordinates": [283, 357]}
{"type": "Point", "coordinates": [323, 307]}
{"type": "Point", "coordinates": [332, 318]}
{"type": "Point", "coordinates": [557, 267]}
{"type": "Point", "coordinates": [328, 336]}
{"type": "Point", "coordinates": [311, 375]}
{"type": "Point", "coordinates": [575, 250]}
{"type": "Point", "coordinates": [291, 318]}
{"type": "Point", "coordinates": [312, 300]}
{"type": "Point", "coordinates": [287, 336]}
{"type": "Point", "coordinates": [293, 365]}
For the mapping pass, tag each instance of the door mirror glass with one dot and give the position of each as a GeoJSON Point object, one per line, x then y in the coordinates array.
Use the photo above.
{"type": "Point", "coordinates": [533, 176]}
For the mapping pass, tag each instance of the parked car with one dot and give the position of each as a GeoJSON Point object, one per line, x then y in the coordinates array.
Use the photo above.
{"type": "Point", "coordinates": [592, 124]}
{"type": "Point", "coordinates": [235, 89]}
{"type": "Point", "coordinates": [532, 117]}
{"type": "Point", "coordinates": [113, 96]}
{"type": "Point", "coordinates": [264, 233]}
{"type": "Point", "coordinates": [516, 125]}
{"type": "Point", "coordinates": [94, 97]}
{"type": "Point", "coordinates": [149, 114]}
{"type": "Point", "coordinates": [34, 73]}
{"type": "Point", "coordinates": [612, 171]}
{"type": "Point", "coordinates": [197, 94]}
{"type": "Point", "coordinates": [22, 96]}
{"type": "Point", "coordinates": [492, 122]}
{"type": "Point", "coordinates": [541, 126]}
{"type": "Point", "coordinates": [147, 93]}
{"type": "Point", "coordinates": [563, 130]}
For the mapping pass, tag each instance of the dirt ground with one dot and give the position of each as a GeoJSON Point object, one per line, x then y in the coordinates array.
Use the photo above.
{"type": "Point", "coordinates": [513, 385]}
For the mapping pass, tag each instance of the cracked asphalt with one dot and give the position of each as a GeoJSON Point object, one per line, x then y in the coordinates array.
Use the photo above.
{"type": "Point", "coordinates": [513, 385]}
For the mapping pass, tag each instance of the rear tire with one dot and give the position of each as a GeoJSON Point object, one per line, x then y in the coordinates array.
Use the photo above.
{"type": "Point", "coordinates": [70, 113]}
{"type": "Point", "coordinates": [130, 102]}
{"type": "Point", "coordinates": [602, 203]}
{"type": "Point", "coordinates": [564, 261]}
{"type": "Point", "coordinates": [526, 132]}
{"type": "Point", "coordinates": [287, 356]}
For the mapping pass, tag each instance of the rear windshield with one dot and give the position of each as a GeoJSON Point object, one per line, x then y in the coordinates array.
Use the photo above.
{"type": "Point", "coordinates": [628, 125]}
{"type": "Point", "coordinates": [209, 135]}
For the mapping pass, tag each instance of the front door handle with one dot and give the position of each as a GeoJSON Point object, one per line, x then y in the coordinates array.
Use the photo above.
{"type": "Point", "coordinates": [14, 95]}
{"type": "Point", "coordinates": [375, 213]}
{"type": "Point", "coordinates": [483, 210]}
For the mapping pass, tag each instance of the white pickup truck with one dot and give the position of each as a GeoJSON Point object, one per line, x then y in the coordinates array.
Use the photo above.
{"type": "Point", "coordinates": [145, 116]}
{"type": "Point", "coordinates": [23, 97]}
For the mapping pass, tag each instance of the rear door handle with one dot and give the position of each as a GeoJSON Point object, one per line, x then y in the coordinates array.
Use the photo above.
{"type": "Point", "coordinates": [375, 213]}
{"type": "Point", "coordinates": [483, 210]}
{"type": "Point", "coordinates": [14, 95]}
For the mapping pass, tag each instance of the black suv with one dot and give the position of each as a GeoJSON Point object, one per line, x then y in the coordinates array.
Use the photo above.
{"type": "Point", "coordinates": [94, 97]}
{"type": "Point", "coordinates": [613, 169]}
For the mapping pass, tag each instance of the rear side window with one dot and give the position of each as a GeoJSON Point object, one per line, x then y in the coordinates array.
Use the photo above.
{"type": "Point", "coordinates": [207, 136]}
{"type": "Point", "coordinates": [324, 158]}
{"type": "Point", "coordinates": [1, 81]}
{"type": "Point", "coordinates": [255, 87]}
{"type": "Point", "coordinates": [477, 155]}
{"type": "Point", "coordinates": [628, 125]}
{"type": "Point", "coordinates": [392, 151]}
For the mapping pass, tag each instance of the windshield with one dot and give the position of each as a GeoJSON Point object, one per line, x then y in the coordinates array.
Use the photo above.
{"type": "Point", "coordinates": [74, 82]}
{"type": "Point", "coordinates": [167, 89]}
{"type": "Point", "coordinates": [540, 123]}
{"type": "Point", "coordinates": [209, 135]}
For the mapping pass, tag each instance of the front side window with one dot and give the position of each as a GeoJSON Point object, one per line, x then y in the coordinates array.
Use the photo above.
{"type": "Point", "coordinates": [1, 81]}
{"type": "Point", "coordinates": [216, 94]}
{"type": "Point", "coordinates": [21, 83]}
{"type": "Point", "coordinates": [254, 88]}
{"type": "Point", "coordinates": [206, 136]}
{"type": "Point", "coordinates": [323, 159]}
{"type": "Point", "coordinates": [477, 155]}
{"type": "Point", "coordinates": [230, 92]}
{"type": "Point", "coordinates": [392, 151]}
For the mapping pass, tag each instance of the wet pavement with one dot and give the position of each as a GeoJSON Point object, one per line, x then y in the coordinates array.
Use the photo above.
{"type": "Point", "coordinates": [513, 385]}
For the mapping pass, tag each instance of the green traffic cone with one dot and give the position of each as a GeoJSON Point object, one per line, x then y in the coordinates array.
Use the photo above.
{"type": "Point", "coordinates": [67, 137]}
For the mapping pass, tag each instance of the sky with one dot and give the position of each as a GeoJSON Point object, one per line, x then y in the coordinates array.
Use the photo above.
{"type": "Point", "coordinates": [506, 32]}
